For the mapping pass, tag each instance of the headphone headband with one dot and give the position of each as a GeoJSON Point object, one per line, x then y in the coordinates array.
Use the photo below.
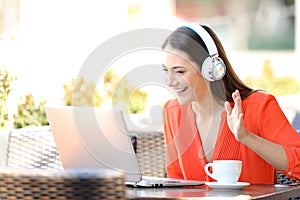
{"type": "Point", "coordinates": [207, 39]}
{"type": "Point", "coordinates": [213, 67]}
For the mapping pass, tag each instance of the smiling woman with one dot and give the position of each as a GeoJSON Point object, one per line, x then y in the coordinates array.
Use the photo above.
{"type": "Point", "coordinates": [183, 78]}
{"type": "Point", "coordinates": [220, 117]}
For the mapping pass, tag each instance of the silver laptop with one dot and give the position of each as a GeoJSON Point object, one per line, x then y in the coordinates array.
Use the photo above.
{"type": "Point", "coordinates": [89, 137]}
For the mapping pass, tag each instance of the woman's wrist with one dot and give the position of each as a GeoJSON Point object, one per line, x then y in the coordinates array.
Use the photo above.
{"type": "Point", "coordinates": [245, 137]}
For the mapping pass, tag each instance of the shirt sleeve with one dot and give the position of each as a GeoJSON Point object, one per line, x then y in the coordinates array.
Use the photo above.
{"type": "Point", "coordinates": [275, 127]}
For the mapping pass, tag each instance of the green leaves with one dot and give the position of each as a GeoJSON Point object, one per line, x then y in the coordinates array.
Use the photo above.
{"type": "Point", "coordinates": [29, 113]}
{"type": "Point", "coordinates": [114, 89]}
{"type": "Point", "coordinates": [271, 83]}
{"type": "Point", "coordinates": [5, 89]}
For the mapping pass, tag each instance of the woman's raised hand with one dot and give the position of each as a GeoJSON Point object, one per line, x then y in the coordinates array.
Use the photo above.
{"type": "Point", "coordinates": [235, 116]}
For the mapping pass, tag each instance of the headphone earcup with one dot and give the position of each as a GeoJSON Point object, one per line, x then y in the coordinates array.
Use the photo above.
{"type": "Point", "coordinates": [207, 69]}
{"type": "Point", "coordinates": [213, 69]}
{"type": "Point", "coordinates": [219, 69]}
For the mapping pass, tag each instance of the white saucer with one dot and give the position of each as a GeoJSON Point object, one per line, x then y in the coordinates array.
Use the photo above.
{"type": "Point", "coordinates": [233, 186]}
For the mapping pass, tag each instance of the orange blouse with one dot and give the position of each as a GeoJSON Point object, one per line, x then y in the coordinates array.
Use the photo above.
{"type": "Point", "coordinates": [262, 116]}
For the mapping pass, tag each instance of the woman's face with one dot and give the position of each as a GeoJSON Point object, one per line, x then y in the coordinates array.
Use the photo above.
{"type": "Point", "coordinates": [184, 78]}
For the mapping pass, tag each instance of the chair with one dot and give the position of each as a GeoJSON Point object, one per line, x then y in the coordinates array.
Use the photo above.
{"type": "Point", "coordinates": [281, 178]}
{"type": "Point", "coordinates": [61, 185]}
{"type": "Point", "coordinates": [32, 147]}
{"type": "Point", "coordinates": [151, 153]}
{"type": "Point", "coordinates": [296, 121]}
{"type": "Point", "coordinates": [34, 171]}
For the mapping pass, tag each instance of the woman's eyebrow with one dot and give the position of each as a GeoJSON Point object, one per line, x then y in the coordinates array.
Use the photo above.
{"type": "Point", "coordinates": [174, 67]}
{"type": "Point", "coordinates": [177, 67]}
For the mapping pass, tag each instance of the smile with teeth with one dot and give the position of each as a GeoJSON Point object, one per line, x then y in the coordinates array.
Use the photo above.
{"type": "Point", "coordinates": [180, 90]}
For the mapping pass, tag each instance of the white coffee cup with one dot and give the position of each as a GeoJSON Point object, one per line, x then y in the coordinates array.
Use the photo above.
{"type": "Point", "coordinates": [224, 171]}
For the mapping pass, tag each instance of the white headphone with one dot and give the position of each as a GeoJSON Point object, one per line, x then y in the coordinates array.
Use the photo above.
{"type": "Point", "coordinates": [213, 67]}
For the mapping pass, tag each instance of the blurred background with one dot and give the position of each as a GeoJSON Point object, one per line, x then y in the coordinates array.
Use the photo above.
{"type": "Point", "coordinates": [43, 44]}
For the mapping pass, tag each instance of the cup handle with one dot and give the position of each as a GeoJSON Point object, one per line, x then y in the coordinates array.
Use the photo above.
{"type": "Point", "coordinates": [206, 167]}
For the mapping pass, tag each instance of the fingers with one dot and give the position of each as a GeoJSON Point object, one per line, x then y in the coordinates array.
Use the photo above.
{"type": "Point", "coordinates": [236, 95]}
{"type": "Point", "coordinates": [237, 100]}
{"type": "Point", "coordinates": [227, 107]}
{"type": "Point", "coordinates": [241, 117]}
{"type": "Point", "coordinates": [237, 103]}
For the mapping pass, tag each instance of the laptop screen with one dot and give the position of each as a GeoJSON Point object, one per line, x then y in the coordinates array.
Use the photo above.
{"type": "Point", "coordinates": [89, 137]}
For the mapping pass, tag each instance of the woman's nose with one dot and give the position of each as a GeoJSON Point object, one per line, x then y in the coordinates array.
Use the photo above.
{"type": "Point", "coordinates": [170, 79]}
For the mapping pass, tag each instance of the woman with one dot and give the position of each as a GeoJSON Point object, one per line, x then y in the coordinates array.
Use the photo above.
{"type": "Point", "coordinates": [217, 117]}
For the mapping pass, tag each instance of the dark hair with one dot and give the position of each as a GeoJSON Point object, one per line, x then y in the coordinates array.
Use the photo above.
{"type": "Point", "coordinates": [186, 40]}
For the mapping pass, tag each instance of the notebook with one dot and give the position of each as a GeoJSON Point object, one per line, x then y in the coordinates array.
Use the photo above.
{"type": "Point", "coordinates": [89, 137]}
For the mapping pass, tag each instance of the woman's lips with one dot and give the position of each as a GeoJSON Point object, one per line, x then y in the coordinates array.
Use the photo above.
{"type": "Point", "coordinates": [179, 91]}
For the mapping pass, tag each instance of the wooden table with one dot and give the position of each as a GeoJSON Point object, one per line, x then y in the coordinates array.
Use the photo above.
{"type": "Point", "coordinates": [251, 192]}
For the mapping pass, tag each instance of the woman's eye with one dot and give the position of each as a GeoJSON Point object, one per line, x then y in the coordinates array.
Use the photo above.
{"type": "Point", "coordinates": [180, 72]}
